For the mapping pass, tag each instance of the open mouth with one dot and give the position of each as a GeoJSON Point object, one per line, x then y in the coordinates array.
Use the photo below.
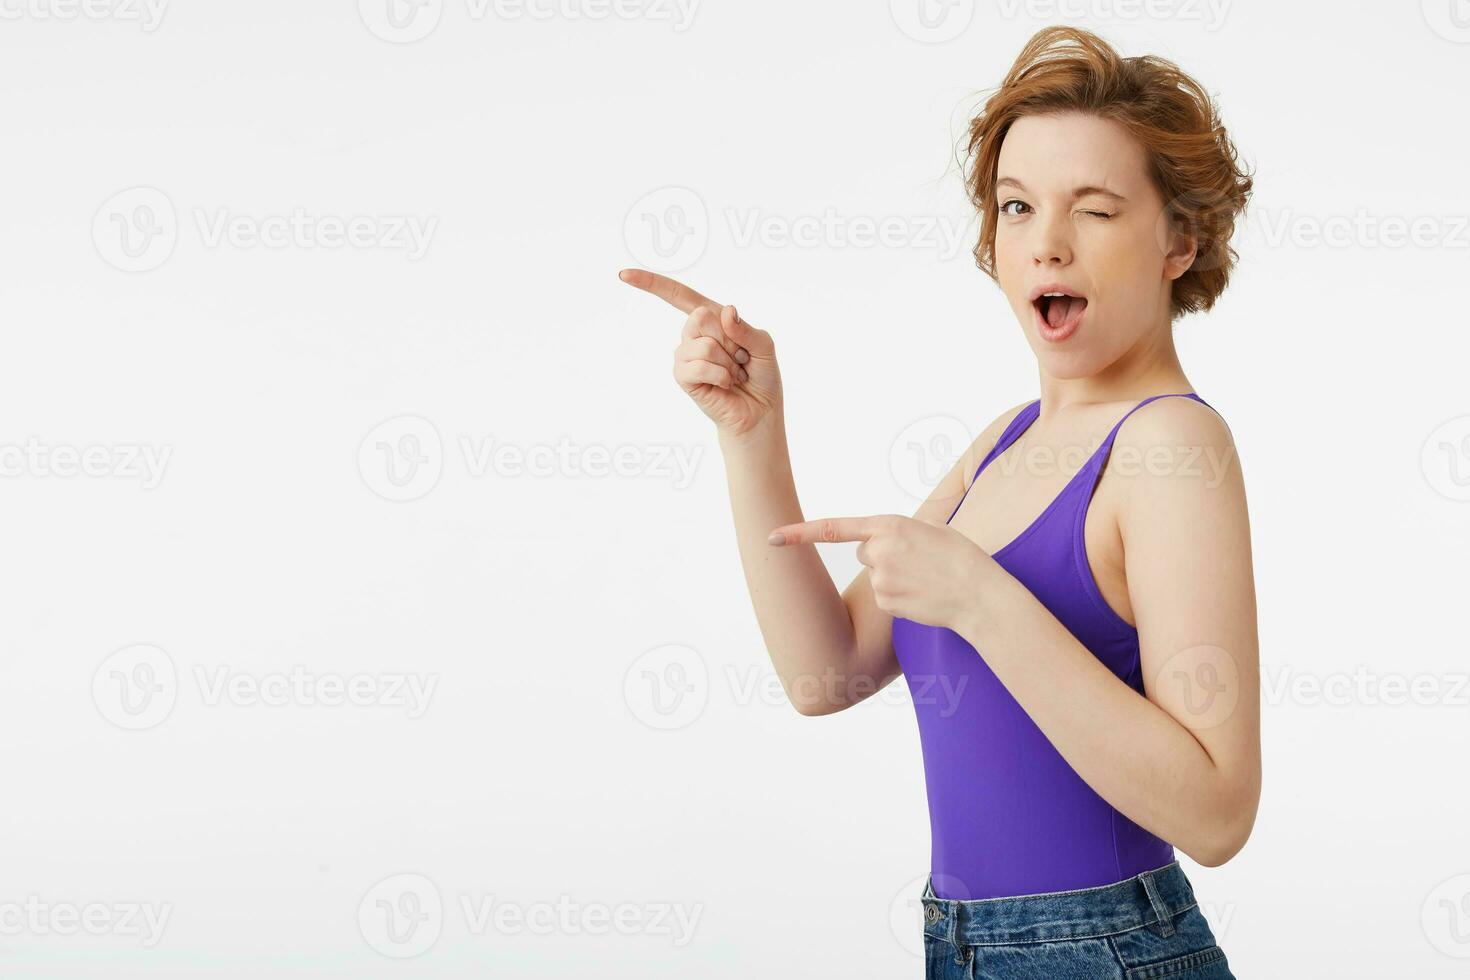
{"type": "Point", "coordinates": [1059, 313]}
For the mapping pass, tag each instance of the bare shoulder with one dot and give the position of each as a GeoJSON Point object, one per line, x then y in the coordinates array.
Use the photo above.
{"type": "Point", "coordinates": [1178, 437]}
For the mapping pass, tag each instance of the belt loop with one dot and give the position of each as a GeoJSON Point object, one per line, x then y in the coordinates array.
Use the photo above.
{"type": "Point", "coordinates": [954, 933]}
{"type": "Point", "coordinates": [1166, 924]}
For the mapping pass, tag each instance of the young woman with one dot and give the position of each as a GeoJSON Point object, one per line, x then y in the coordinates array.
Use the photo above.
{"type": "Point", "coordinates": [1085, 592]}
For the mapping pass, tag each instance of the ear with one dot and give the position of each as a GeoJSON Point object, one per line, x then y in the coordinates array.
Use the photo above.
{"type": "Point", "coordinates": [1180, 251]}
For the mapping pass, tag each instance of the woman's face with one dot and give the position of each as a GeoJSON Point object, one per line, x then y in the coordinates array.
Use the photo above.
{"type": "Point", "coordinates": [1079, 212]}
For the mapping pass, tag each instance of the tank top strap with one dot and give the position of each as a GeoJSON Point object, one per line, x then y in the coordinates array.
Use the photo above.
{"type": "Point", "coordinates": [1107, 444]}
{"type": "Point", "coordinates": [1011, 433]}
{"type": "Point", "coordinates": [1008, 435]}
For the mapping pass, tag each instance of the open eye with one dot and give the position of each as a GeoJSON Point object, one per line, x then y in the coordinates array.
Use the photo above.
{"type": "Point", "coordinates": [1009, 203]}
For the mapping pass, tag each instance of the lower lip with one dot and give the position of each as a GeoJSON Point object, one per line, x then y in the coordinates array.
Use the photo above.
{"type": "Point", "coordinates": [1055, 335]}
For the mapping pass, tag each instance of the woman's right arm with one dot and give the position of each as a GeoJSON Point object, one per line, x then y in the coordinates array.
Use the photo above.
{"type": "Point", "coordinates": [830, 650]}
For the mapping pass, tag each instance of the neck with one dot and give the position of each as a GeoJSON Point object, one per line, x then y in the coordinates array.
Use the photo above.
{"type": "Point", "coordinates": [1149, 367]}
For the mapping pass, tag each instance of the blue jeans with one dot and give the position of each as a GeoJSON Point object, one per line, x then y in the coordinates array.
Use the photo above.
{"type": "Point", "coordinates": [1142, 927]}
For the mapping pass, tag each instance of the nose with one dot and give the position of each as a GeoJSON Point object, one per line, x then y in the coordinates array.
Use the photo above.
{"type": "Point", "coordinates": [1053, 245]}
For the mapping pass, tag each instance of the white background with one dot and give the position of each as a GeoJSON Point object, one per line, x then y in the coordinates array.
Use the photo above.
{"type": "Point", "coordinates": [547, 148]}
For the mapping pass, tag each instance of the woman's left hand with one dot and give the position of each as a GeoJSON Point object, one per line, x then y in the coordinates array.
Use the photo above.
{"type": "Point", "coordinates": [927, 572]}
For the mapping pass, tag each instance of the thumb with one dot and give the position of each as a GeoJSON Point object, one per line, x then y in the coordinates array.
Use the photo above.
{"type": "Point", "coordinates": [742, 333]}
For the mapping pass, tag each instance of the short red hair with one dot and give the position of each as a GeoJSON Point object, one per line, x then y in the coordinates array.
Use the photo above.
{"type": "Point", "coordinates": [1192, 161]}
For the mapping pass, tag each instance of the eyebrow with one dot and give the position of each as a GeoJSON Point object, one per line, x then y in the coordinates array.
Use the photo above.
{"type": "Point", "coordinates": [1076, 191]}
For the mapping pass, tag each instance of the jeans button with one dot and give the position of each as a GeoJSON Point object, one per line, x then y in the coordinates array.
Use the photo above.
{"type": "Point", "coordinates": [931, 913]}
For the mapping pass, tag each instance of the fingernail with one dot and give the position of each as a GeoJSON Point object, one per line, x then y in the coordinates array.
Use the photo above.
{"type": "Point", "coordinates": [741, 355]}
{"type": "Point", "coordinates": [743, 375]}
{"type": "Point", "coordinates": [734, 314]}
{"type": "Point", "coordinates": [776, 538]}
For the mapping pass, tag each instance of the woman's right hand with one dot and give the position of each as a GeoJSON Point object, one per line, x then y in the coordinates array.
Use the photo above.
{"type": "Point", "coordinates": [726, 365]}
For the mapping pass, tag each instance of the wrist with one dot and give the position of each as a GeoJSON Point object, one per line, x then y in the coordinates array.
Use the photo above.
{"type": "Point", "coordinates": [767, 433]}
{"type": "Point", "coordinates": [984, 582]}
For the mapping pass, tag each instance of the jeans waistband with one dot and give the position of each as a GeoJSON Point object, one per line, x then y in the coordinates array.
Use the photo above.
{"type": "Point", "coordinates": [1151, 898]}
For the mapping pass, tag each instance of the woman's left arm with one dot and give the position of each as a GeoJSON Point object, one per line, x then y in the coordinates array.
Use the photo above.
{"type": "Point", "coordinates": [1184, 762]}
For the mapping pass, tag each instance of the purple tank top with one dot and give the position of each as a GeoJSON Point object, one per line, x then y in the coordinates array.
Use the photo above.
{"type": "Point", "coordinates": [1007, 814]}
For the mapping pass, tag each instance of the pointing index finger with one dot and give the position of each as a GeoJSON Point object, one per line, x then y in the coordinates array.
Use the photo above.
{"type": "Point", "coordinates": [671, 291]}
{"type": "Point", "coordinates": [826, 531]}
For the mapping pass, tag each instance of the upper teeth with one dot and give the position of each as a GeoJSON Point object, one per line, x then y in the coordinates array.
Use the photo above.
{"type": "Point", "coordinates": [1053, 294]}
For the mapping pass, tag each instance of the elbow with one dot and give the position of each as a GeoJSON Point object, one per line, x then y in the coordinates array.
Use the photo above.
{"type": "Point", "coordinates": [1225, 836]}
{"type": "Point", "coordinates": [810, 707]}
